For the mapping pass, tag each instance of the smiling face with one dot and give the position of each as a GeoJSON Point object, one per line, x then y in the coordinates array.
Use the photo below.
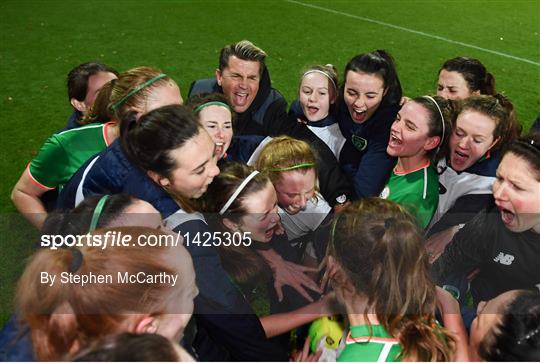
{"type": "Point", "coordinates": [451, 85]}
{"type": "Point", "coordinates": [217, 121]}
{"type": "Point", "coordinates": [363, 95]}
{"type": "Point", "coordinates": [316, 96]}
{"type": "Point", "coordinates": [471, 139]}
{"type": "Point", "coordinates": [294, 188]}
{"type": "Point", "coordinates": [517, 194]}
{"type": "Point", "coordinates": [195, 166]}
{"type": "Point", "coordinates": [409, 132]}
{"type": "Point", "coordinates": [488, 315]}
{"type": "Point", "coordinates": [261, 219]}
{"type": "Point", "coordinates": [240, 82]}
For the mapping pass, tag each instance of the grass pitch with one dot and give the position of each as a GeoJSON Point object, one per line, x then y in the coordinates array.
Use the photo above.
{"type": "Point", "coordinates": [41, 41]}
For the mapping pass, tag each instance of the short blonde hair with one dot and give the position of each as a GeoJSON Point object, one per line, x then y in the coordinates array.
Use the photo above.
{"type": "Point", "coordinates": [244, 50]}
{"type": "Point", "coordinates": [285, 153]}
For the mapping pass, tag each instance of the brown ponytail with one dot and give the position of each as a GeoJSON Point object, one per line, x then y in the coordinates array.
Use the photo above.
{"type": "Point", "coordinates": [380, 249]}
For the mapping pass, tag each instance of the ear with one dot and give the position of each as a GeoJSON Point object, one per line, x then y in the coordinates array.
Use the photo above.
{"type": "Point", "coordinates": [78, 105]}
{"type": "Point", "coordinates": [385, 91]}
{"type": "Point", "coordinates": [494, 142]}
{"type": "Point", "coordinates": [158, 179]}
{"type": "Point", "coordinates": [147, 324]}
{"type": "Point", "coordinates": [334, 98]}
{"type": "Point", "coordinates": [219, 76]}
{"type": "Point", "coordinates": [476, 93]}
{"type": "Point", "coordinates": [233, 226]}
{"type": "Point", "coordinates": [432, 143]}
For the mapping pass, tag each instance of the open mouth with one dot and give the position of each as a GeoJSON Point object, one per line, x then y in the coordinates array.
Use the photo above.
{"type": "Point", "coordinates": [507, 216]}
{"type": "Point", "coordinates": [395, 141]}
{"type": "Point", "coordinates": [270, 231]}
{"type": "Point", "coordinates": [312, 110]}
{"type": "Point", "coordinates": [359, 115]}
{"type": "Point", "coordinates": [459, 158]}
{"type": "Point", "coordinates": [220, 148]}
{"type": "Point", "coordinates": [240, 98]}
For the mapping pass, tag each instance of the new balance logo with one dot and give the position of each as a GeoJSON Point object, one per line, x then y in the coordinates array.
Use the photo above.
{"type": "Point", "coordinates": [504, 259]}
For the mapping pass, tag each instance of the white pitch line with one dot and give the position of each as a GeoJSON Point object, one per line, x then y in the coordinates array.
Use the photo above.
{"type": "Point", "coordinates": [415, 32]}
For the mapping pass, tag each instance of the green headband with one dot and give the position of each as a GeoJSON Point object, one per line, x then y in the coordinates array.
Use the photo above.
{"type": "Point", "coordinates": [137, 89]}
{"type": "Point", "coordinates": [298, 166]}
{"type": "Point", "coordinates": [212, 103]}
{"type": "Point", "coordinates": [330, 246]}
{"type": "Point", "coordinates": [97, 213]}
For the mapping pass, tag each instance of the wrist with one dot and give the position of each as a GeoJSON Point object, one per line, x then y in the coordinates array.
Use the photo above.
{"type": "Point", "coordinates": [270, 256]}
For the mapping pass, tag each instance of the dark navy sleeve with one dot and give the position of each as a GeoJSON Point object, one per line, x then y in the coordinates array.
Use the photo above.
{"type": "Point", "coordinates": [466, 251]}
{"type": "Point", "coordinates": [15, 342]}
{"type": "Point", "coordinates": [371, 167]}
{"type": "Point", "coordinates": [374, 169]}
{"type": "Point", "coordinates": [243, 146]}
{"type": "Point", "coordinates": [225, 320]}
{"type": "Point", "coordinates": [463, 210]}
{"type": "Point", "coordinates": [212, 281]}
{"type": "Point", "coordinates": [376, 165]}
{"type": "Point", "coordinates": [67, 196]}
{"type": "Point", "coordinates": [296, 110]}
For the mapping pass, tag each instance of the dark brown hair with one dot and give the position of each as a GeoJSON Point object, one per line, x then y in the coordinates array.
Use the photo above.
{"type": "Point", "coordinates": [435, 125]}
{"type": "Point", "coordinates": [246, 266]}
{"type": "Point", "coordinates": [501, 110]}
{"type": "Point", "coordinates": [517, 336]}
{"type": "Point", "coordinates": [528, 149]}
{"type": "Point", "coordinates": [148, 144]}
{"type": "Point", "coordinates": [77, 78]}
{"type": "Point", "coordinates": [200, 99]}
{"type": "Point", "coordinates": [381, 63]}
{"type": "Point", "coordinates": [474, 73]}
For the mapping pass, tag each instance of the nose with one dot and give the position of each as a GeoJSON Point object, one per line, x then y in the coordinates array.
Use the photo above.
{"type": "Point", "coordinates": [499, 190]}
{"type": "Point", "coordinates": [219, 133]}
{"type": "Point", "coordinates": [302, 201]}
{"type": "Point", "coordinates": [214, 170]}
{"type": "Point", "coordinates": [443, 94]}
{"type": "Point", "coordinates": [395, 125]}
{"type": "Point", "coordinates": [312, 97]}
{"type": "Point", "coordinates": [360, 102]}
{"type": "Point", "coordinates": [275, 216]}
{"type": "Point", "coordinates": [464, 142]}
{"type": "Point", "coordinates": [243, 83]}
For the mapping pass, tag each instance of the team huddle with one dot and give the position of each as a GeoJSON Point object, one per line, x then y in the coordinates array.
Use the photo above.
{"type": "Point", "coordinates": [368, 225]}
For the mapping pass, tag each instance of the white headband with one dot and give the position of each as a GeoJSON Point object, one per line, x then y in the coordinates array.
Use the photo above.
{"type": "Point", "coordinates": [323, 73]}
{"type": "Point", "coordinates": [442, 117]}
{"type": "Point", "coordinates": [238, 191]}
